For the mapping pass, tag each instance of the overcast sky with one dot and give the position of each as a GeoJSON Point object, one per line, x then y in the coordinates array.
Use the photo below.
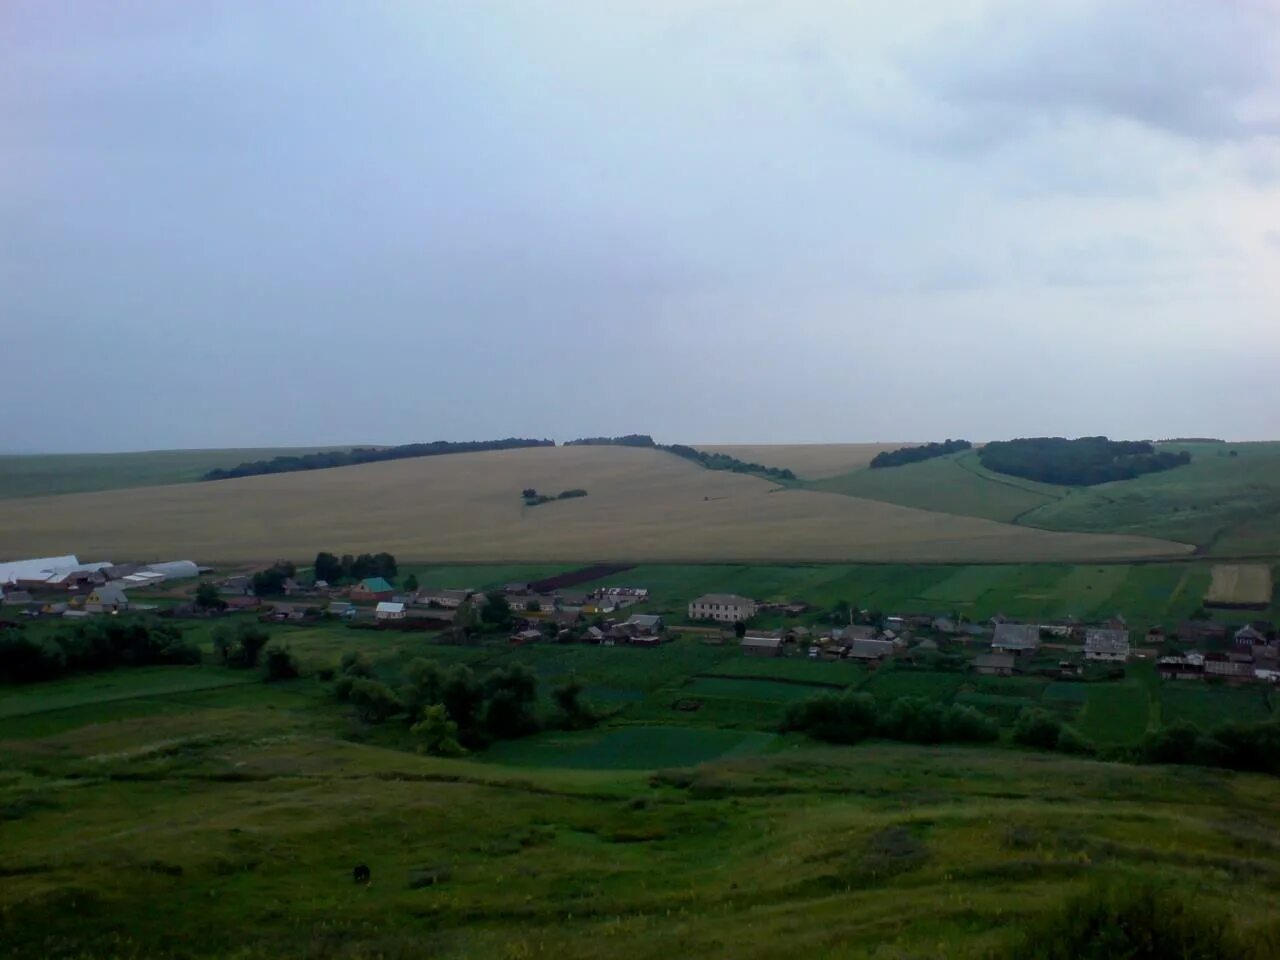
{"type": "Point", "coordinates": [248, 223]}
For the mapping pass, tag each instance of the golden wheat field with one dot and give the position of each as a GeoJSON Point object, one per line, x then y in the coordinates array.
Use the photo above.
{"type": "Point", "coordinates": [642, 505]}
{"type": "Point", "coordinates": [1242, 584]}
{"type": "Point", "coordinates": [809, 461]}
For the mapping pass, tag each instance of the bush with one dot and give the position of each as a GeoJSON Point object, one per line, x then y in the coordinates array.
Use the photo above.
{"type": "Point", "coordinates": [1134, 923]}
{"type": "Point", "coordinates": [1037, 728]}
{"type": "Point", "coordinates": [1176, 743]}
{"type": "Point", "coordinates": [243, 647]}
{"type": "Point", "coordinates": [575, 712]}
{"type": "Point", "coordinates": [280, 664]}
{"type": "Point", "coordinates": [439, 734]}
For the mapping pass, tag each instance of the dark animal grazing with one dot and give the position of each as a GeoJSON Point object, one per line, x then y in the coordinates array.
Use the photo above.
{"type": "Point", "coordinates": [362, 873]}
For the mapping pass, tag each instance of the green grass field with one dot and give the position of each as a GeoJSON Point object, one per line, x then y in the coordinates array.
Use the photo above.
{"type": "Point", "coordinates": [951, 484]}
{"type": "Point", "coordinates": [1115, 713]}
{"type": "Point", "coordinates": [201, 800]}
{"type": "Point", "coordinates": [1207, 705]}
{"type": "Point", "coordinates": [232, 830]}
{"type": "Point", "coordinates": [33, 475]}
{"type": "Point", "coordinates": [1145, 593]}
{"type": "Point", "coordinates": [1227, 505]}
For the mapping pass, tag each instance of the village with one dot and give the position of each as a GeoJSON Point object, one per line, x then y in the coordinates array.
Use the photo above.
{"type": "Point", "coordinates": [565, 609]}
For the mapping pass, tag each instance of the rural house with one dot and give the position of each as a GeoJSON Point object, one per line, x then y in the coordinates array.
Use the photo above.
{"type": "Point", "coordinates": [1188, 667]}
{"type": "Point", "coordinates": [1018, 638]}
{"type": "Point", "coordinates": [761, 645]}
{"type": "Point", "coordinates": [107, 599]}
{"type": "Point", "coordinates": [724, 607]}
{"type": "Point", "coordinates": [388, 610]}
{"type": "Point", "coordinates": [994, 664]}
{"type": "Point", "coordinates": [236, 587]}
{"type": "Point", "coordinates": [644, 624]}
{"type": "Point", "coordinates": [1201, 631]}
{"type": "Point", "coordinates": [1230, 668]}
{"type": "Point", "coordinates": [871, 650]}
{"type": "Point", "coordinates": [371, 590]}
{"type": "Point", "coordinates": [449, 599]}
{"type": "Point", "coordinates": [1250, 635]}
{"type": "Point", "coordinates": [1106, 643]}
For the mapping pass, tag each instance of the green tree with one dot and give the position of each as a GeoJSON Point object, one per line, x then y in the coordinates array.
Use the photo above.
{"type": "Point", "coordinates": [328, 567]}
{"type": "Point", "coordinates": [280, 664]}
{"type": "Point", "coordinates": [496, 610]}
{"type": "Point", "coordinates": [411, 583]}
{"type": "Point", "coordinates": [207, 597]}
{"type": "Point", "coordinates": [462, 695]}
{"type": "Point", "coordinates": [739, 629]}
{"type": "Point", "coordinates": [242, 647]}
{"type": "Point", "coordinates": [575, 713]}
{"type": "Point", "coordinates": [374, 702]}
{"type": "Point", "coordinates": [423, 685]}
{"type": "Point", "coordinates": [512, 694]}
{"type": "Point", "coordinates": [439, 734]}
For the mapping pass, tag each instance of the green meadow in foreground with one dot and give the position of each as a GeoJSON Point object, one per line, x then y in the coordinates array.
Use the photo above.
{"type": "Point", "coordinates": [198, 812]}
{"type": "Point", "coordinates": [232, 829]}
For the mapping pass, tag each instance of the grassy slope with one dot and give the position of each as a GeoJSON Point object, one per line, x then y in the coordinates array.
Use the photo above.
{"type": "Point", "coordinates": [232, 827]}
{"type": "Point", "coordinates": [1226, 505]}
{"type": "Point", "coordinates": [954, 484]}
{"type": "Point", "coordinates": [34, 475]}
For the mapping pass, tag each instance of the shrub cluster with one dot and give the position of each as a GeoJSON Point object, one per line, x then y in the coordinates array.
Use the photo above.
{"type": "Point", "coordinates": [1040, 728]}
{"type": "Point", "coordinates": [98, 644]}
{"type": "Point", "coordinates": [927, 451]}
{"type": "Point", "coordinates": [532, 497]}
{"type": "Point", "coordinates": [357, 455]}
{"type": "Point", "coordinates": [852, 717]}
{"type": "Point", "coordinates": [1235, 746]}
{"type": "Point", "coordinates": [722, 461]}
{"type": "Point", "coordinates": [448, 705]}
{"type": "Point", "coordinates": [1081, 462]}
{"type": "Point", "coordinates": [1139, 922]}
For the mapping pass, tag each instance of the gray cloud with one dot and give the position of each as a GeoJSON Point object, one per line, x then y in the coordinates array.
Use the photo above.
{"type": "Point", "coordinates": [311, 222]}
{"type": "Point", "coordinates": [1208, 72]}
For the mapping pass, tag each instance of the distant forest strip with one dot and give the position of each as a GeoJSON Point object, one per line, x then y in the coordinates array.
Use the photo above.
{"type": "Point", "coordinates": [358, 455]}
{"type": "Point", "coordinates": [712, 461]}
{"type": "Point", "coordinates": [927, 451]}
{"type": "Point", "coordinates": [1082, 462]}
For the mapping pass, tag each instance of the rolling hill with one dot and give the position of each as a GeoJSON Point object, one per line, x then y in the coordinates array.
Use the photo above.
{"type": "Point", "coordinates": [1226, 501]}
{"type": "Point", "coordinates": [643, 504]}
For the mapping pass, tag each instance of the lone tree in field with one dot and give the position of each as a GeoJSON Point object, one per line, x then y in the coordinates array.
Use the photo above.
{"type": "Point", "coordinates": [411, 583]}
{"type": "Point", "coordinates": [207, 598]}
{"type": "Point", "coordinates": [739, 629]}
